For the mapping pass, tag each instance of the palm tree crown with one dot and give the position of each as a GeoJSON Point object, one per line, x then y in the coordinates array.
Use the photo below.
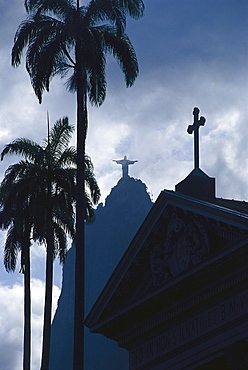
{"type": "Point", "coordinates": [52, 164]}
{"type": "Point", "coordinates": [26, 183]}
{"type": "Point", "coordinates": [62, 36]}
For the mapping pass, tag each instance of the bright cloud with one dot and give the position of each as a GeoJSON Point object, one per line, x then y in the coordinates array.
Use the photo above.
{"type": "Point", "coordinates": [191, 53]}
{"type": "Point", "coordinates": [11, 323]}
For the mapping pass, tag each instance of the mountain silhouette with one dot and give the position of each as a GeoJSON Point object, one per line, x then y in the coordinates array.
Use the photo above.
{"type": "Point", "coordinates": [106, 241]}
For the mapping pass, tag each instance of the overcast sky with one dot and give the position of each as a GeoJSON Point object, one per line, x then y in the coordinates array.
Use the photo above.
{"type": "Point", "coordinates": [191, 53]}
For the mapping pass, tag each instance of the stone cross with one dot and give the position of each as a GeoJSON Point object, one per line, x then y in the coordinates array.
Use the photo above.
{"type": "Point", "coordinates": [124, 163]}
{"type": "Point", "coordinates": [195, 127]}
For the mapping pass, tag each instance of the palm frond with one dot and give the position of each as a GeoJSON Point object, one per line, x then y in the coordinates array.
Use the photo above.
{"type": "Point", "coordinates": [134, 8]}
{"type": "Point", "coordinates": [60, 136]}
{"type": "Point", "coordinates": [25, 147]}
{"type": "Point", "coordinates": [60, 8]}
{"type": "Point", "coordinates": [95, 64]}
{"type": "Point", "coordinates": [92, 186]}
{"type": "Point", "coordinates": [25, 34]}
{"type": "Point", "coordinates": [71, 83]}
{"type": "Point", "coordinates": [99, 11]}
{"type": "Point", "coordinates": [11, 249]}
{"type": "Point", "coordinates": [60, 243]}
{"type": "Point", "coordinates": [46, 54]}
{"type": "Point", "coordinates": [68, 157]}
{"type": "Point", "coordinates": [6, 218]}
{"type": "Point", "coordinates": [89, 210]}
{"type": "Point", "coordinates": [122, 50]}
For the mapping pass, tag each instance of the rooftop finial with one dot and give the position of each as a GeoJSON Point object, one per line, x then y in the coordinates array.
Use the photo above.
{"type": "Point", "coordinates": [197, 184]}
{"type": "Point", "coordinates": [195, 127]}
{"type": "Point", "coordinates": [124, 163]}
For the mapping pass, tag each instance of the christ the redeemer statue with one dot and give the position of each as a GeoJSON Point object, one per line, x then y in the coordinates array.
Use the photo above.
{"type": "Point", "coordinates": [124, 163]}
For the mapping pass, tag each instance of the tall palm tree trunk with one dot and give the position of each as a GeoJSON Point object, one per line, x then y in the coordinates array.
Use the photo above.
{"type": "Point", "coordinates": [27, 310]}
{"type": "Point", "coordinates": [48, 299]}
{"type": "Point", "coordinates": [78, 359]}
{"type": "Point", "coordinates": [49, 270]}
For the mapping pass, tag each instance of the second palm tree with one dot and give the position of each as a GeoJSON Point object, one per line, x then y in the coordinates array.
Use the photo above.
{"type": "Point", "coordinates": [43, 186]}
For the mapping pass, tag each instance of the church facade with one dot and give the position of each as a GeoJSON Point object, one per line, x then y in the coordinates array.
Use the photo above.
{"type": "Point", "coordinates": [178, 298]}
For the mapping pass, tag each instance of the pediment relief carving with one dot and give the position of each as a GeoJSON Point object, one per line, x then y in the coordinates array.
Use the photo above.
{"type": "Point", "coordinates": [185, 244]}
{"type": "Point", "coordinates": [179, 240]}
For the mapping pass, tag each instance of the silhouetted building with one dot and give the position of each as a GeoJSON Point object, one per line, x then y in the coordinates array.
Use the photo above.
{"type": "Point", "coordinates": [178, 299]}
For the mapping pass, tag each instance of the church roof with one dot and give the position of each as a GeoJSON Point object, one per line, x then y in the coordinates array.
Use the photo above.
{"type": "Point", "coordinates": [222, 209]}
{"type": "Point", "coordinates": [235, 205]}
{"type": "Point", "coordinates": [222, 221]}
{"type": "Point", "coordinates": [228, 205]}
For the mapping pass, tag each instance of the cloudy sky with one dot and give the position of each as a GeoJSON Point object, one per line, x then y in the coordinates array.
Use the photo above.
{"type": "Point", "coordinates": [191, 53]}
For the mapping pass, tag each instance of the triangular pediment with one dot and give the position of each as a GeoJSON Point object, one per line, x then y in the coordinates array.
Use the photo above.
{"type": "Point", "coordinates": [180, 237]}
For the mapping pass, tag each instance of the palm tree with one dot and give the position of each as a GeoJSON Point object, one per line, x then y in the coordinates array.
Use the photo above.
{"type": "Point", "coordinates": [46, 180]}
{"type": "Point", "coordinates": [14, 216]}
{"type": "Point", "coordinates": [62, 36]}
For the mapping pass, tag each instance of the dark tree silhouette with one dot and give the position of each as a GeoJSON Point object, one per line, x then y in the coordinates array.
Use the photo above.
{"type": "Point", "coordinates": [38, 195]}
{"type": "Point", "coordinates": [15, 217]}
{"type": "Point", "coordinates": [62, 36]}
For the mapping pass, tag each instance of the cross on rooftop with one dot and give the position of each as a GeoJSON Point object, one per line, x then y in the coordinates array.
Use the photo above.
{"type": "Point", "coordinates": [195, 128]}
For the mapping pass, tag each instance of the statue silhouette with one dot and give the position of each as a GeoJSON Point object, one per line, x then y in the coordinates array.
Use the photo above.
{"type": "Point", "coordinates": [124, 163]}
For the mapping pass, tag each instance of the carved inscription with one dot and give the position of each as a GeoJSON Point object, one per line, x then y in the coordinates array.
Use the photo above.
{"type": "Point", "coordinates": [191, 329]}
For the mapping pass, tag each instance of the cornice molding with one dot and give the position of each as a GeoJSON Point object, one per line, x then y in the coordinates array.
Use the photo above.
{"type": "Point", "coordinates": [117, 324]}
{"type": "Point", "coordinates": [195, 303]}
